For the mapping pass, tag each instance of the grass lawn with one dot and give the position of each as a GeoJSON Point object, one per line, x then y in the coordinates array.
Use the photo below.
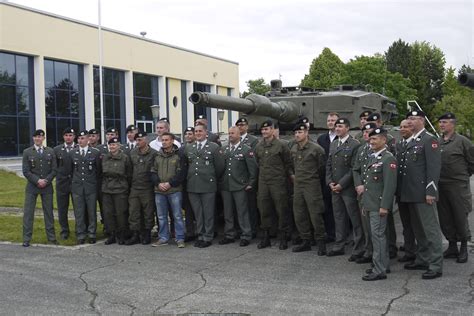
{"type": "Point", "coordinates": [11, 229]}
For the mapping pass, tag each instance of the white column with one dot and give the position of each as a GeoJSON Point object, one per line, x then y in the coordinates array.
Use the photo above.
{"type": "Point", "coordinates": [189, 105]}
{"type": "Point", "coordinates": [39, 86]}
{"type": "Point", "coordinates": [129, 107]}
{"type": "Point", "coordinates": [162, 95]}
{"type": "Point", "coordinates": [214, 119]}
{"type": "Point", "coordinates": [89, 112]}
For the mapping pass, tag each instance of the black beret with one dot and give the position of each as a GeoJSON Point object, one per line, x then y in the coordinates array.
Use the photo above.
{"type": "Point", "coordinates": [131, 128]}
{"type": "Point", "coordinates": [370, 125]}
{"type": "Point", "coordinates": [94, 131]}
{"type": "Point", "coordinates": [447, 116]}
{"type": "Point", "coordinates": [267, 123]}
{"type": "Point", "coordinates": [300, 126]}
{"type": "Point", "coordinates": [84, 132]}
{"type": "Point", "coordinates": [373, 117]}
{"type": "Point", "coordinates": [303, 119]}
{"type": "Point", "coordinates": [39, 132]}
{"type": "Point", "coordinates": [343, 121]}
{"type": "Point", "coordinates": [202, 117]}
{"type": "Point", "coordinates": [416, 113]}
{"type": "Point", "coordinates": [378, 131]}
{"type": "Point", "coordinates": [164, 119]}
{"type": "Point", "coordinates": [139, 134]}
{"type": "Point", "coordinates": [189, 129]}
{"type": "Point", "coordinates": [113, 140]}
{"type": "Point", "coordinates": [242, 120]}
{"type": "Point", "coordinates": [68, 130]}
{"type": "Point", "coordinates": [111, 130]}
{"type": "Point", "coordinates": [365, 113]}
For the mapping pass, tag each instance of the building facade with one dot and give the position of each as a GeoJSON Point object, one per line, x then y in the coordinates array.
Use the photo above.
{"type": "Point", "coordinates": [49, 79]}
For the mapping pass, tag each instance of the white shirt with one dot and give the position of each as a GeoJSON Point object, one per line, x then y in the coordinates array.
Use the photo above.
{"type": "Point", "coordinates": [157, 144]}
{"type": "Point", "coordinates": [85, 149]}
{"type": "Point", "coordinates": [132, 143]}
{"type": "Point", "coordinates": [343, 140]}
{"type": "Point", "coordinates": [38, 148]}
{"type": "Point", "coordinates": [203, 143]}
{"type": "Point", "coordinates": [242, 137]}
{"type": "Point", "coordinates": [379, 152]}
{"type": "Point", "coordinates": [332, 135]}
{"type": "Point", "coordinates": [235, 146]}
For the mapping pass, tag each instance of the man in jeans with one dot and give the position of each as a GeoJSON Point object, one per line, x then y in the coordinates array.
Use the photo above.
{"type": "Point", "coordinates": [168, 173]}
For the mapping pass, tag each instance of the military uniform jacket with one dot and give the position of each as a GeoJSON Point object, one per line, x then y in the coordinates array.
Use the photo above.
{"type": "Point", "coordinates": [116, 173]}
{"type": "Point", "coordinates": [340, 162]}
{"type": "Point", "coordinates": [39, 166]}
{"type": "Point", "coordinates": [309, 163]}
{"type": "Point", "coordinates": [250, 141]}
{"type": "Point", "coordinates": [380, 182]}
{"type": "Point", "coordinates": [205, 167]}
{"type": "Point", "coordinates": [142, 163]}
{"type": "Point", "coordinates": [401, 154]}
{"type": "Point", "coordinates": [63, 167]}
{"type": "Point", "coordinates": [457, 159]}
{"type": "Point", "coordinates": [85, 170]}
{"type": "Point", "coordinates": [240, 168]}
{"type": "Point", "coordinates": [360, 163]}
{"type": "Point", "coordinates": [274, 161]}
{"type": "Point", "coordinates": [127, 149]}
{"type": "Point", "coordinates": [421, 169]}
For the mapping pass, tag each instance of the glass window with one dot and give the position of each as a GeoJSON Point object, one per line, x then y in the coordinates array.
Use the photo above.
{"type": "Point", "coordinates": [73, 76]}
{"type": "Point", "coordinates": [48, 74]}
{"type": "Point", "coordinates": [8, 136]}
{"type": "Point", "coordinates": [61, 75]}
{"type": "Point", "coordinates": [22, 73]}
{"type": "Point", "coordinates": [7, 99]}
{"type": "Point", "coordinates": [23, 100]}
{"type": "Point", "coordinates": [7, 68]}
{"type": "Point", "coordinates": [145, 94]}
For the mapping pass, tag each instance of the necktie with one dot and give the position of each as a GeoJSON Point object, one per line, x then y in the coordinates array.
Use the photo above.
{"type": "Point", "coordinates": [132, 146]}
{"type": "Point", "coordinates": [68, 148]}
{"type": "Point", "coordinates": [83, 152]}
{"type": "Point", "coordinates": [232, 148]}
{"type": "Point", "coordinates": [339, 143]}
{"type": "Point", "coordinates": [40, 150]}
{"type": "Point", "coordinates": [199, 146]}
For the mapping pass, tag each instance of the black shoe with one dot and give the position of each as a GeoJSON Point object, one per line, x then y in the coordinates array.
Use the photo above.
{"type": "Point", "coordinates": [313, 242]}
{"type": "Point", "coordinates": [369, 271]}
{"type": "Point", "coordinates": [244, 243]}
{"type": "Point", "coordinates": [321, 248]}
{"type": "Point", "coordinates": [401, 248]}
{"type": "Point", "coordinates": [305, 246]}
{"type": "Point", "coordinates": [406, 258]}
{"type": "Point", "coordinates": [333, 253]}
{"type": "Point", "coordinates": [205, 244]}
{"type": "Point", "coordinates": [26, 244]}
{"type": "Point", "coordinates": [146, 237]}
{"type": "Point", "coordinates": [92, 240]}
{"type": "Point", "coordinates": [428, 275]}
{"type": "Point", "coordinates": [452, 251]}
{"type": "Point", "coordinates": [297, 241]}
{"type": "Point", "coordinates": [265, 242]}
{"type": "Point", "coordinates": [53, 242]}
{"type": "Point", "coordinates": [353, 258]}
{"type": "Point", "coordinates": [189, 238]}
{"type": "Point", "coordinates": [110, 240]}
{"type": "Point", "coordinates": [120, 238]}
{"type": "Point", "coordinates": [135, 239]}
{"type": "Point", "coordinates": [364, 259]}
{"type": "Point", "coordinates": [197, 244]}
{"type": "Point", "coordinates": [415, 266]}
{"type": "Point", "coordinates": [283, 243]}
{"type": "Point", "coordinates": [374, 277]}
{"type": "Point", "coordinates": [81, 241]}
{"type": "Point", "coordinates": [226, 241]}
{"type": "Point", "coordinates": [462, 257]}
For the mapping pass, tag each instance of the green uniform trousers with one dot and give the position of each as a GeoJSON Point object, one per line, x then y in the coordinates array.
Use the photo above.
{"type": "Point", "coordinates": [29, 215]}
{"type": "Point", "coordinates": [378, 234]}
{"type": "Point", "coordinates": [273, 197]}
{"type": "Point", "coordinates": [203, 205]}
{"type": "Point", "coordinates": [308, 209]}
{"type": "Point", "coordinates": [62, 200]}
{"type": "Point", "coordinates": [85, 213]}
{"type": "Point", "coordinates": [115, 212]}
{"type": "Point", "coordinates": [240, 201]}
{"type": "Point", "coordinates": [409, 242]}
{"type": "Point", "coordinates": [453, 208]}
{"type": "Point", "coordinates": [141, 205]}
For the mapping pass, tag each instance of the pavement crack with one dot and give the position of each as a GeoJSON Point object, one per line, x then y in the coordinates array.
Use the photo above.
{"type": "Point", "coordinates": [406, 291]}
{"type": "Point", "coordinates": [131, 306]}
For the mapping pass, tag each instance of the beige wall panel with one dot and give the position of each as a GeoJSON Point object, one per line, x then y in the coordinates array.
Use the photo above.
{"type": "Point", "coordinates": [174, 90]}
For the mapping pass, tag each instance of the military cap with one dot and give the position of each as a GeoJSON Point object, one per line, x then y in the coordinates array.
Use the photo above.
{"type": "Point", "coordinates": [164, 119]}
{"type": "Point", "coordinates": [39, 132]}
{"type": "Point", "coordinates": [447, 116]}
{"type": "Point", "coordinates": [343, 121]}
{"type": "Point", "coordinates": [113, 140]}
{"type": "Point", "coordinates": [378, 131]}
{"type": "Point", "coordinates": [300, 126]}
{"type": "Point", "coordinates": [83, 133]}
{"type": "Point", "coordinates": [189, 129]}
{"type": "Point", "coordinates": [365, 113]}
{"type": "Point", "coordinates": [242, 120]}
{"type": "Point", "coordinates": [201, 117]}
{"type": "Point", "coordinates": [303, 119]}
{"type": "Point", "coordinates": [373, 117]}
{"type": "Point", "coordinates": [370, 125]}
{"type": "Point", "coordinates": [267, 123]}
{"type": "Point", "coordinates": [416, 113]}
{"type": "Point", "coordinates": [111, 130]}
{"type": "Point", "coordinates": [131, 128]}
{"type": "Point", "coordinates": [139, 135]}
{"type": "Point", "coordinates": [68, 130]}
{"type": "Point", "coordinates": [94, 131]}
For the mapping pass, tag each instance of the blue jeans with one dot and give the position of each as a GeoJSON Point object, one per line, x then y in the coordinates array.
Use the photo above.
{"type": "Point", "coordinates": [174, 200]}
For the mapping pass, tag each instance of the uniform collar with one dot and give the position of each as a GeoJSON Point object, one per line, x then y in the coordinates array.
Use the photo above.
{"type": "Point", "coordinates": [415, 136]}
{"type": "Point", "coordinates": [344, 139]}
{"type": "Point", "coordinates": [379, 153]}
{"type": "Point", "coordinates": [203, 143]}
{"type": "Point", "coordinates": [83, 148]}
{"type": "Point", "coordinates": [235, 146]}
{"type": "Point", "coordinates": [37, 148]}
{"type": "Point", "coordinates": [243, 136]}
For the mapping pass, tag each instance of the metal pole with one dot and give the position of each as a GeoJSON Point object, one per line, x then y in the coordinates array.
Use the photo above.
{"type": "Point", "coordinates": [101, 97]}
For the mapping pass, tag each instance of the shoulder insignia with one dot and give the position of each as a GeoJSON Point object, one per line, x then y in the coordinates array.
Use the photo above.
{"type": "Point", "coordinates": [393, 165]}
{"type": "Point", "coordinates": [251, 153]}
{"type": "Point", "coordinates": [434, 144]}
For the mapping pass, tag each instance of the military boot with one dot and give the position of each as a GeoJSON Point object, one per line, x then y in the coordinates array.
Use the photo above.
{"type": "Point", "coordinates": [121, 238]}
{"type": "Point", "coordinates": [146, 237]}
{"type": "Point", "coordinates": [111, 239]}
{"type": "Point", "coordinates": [452, 251]}
{"type": "Point", "coordinates": [283, 242]}
{"type": "Point", "coordinates": [462, 258]}
{"type": "Point", "coordinates": [265, 242]}
{"type": "Point", "coordinates": [305, 246]}
{"type": "Point", "coordinates": [321, 247]}
{"type": "Point", "coordinates": [135, 239]}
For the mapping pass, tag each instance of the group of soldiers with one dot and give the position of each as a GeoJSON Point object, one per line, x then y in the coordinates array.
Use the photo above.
{"type": "Point", "coordinates": [339, 189]}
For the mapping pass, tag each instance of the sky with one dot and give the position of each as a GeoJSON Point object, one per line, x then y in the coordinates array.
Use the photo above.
{"type": "Point", "coordinates": [277, 38]}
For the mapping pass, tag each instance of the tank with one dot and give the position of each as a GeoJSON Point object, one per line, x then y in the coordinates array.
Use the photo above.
{"type": "Point", "coordinates": [285, 105]}
{"type": "Point", "coordinates": [467, 79]}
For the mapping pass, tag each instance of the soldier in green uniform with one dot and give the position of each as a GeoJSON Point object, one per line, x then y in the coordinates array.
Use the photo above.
{"type": "Point", "coordinates": [342, 154]}
{"type": "Point", "coordinates": [457, 165]}
{"type": "Point", "coordinates": [245, 138]}
{"type": "Point", "coordinates": [420, 191]}
{"type": "Point", "coordinates": [214, 138]}
{"type": "Point", "coordinates": [116, 179]}
{"type": "Point", "coordinates": [358, 173]}
{"type": "Point", "coordinates": [362, 121]}
{"type": "Point", "coordinates": [132, 130]}
{"type": "Point", "coordinates": [39, 168]}
{"type": "Point", "coordinates": [205, 166]}
{"type": "Point", "coordinates": [309, 161]}
{"type": "Point", "coordinates": [63, 178]}
{"type": "Point", "coordinates": [86, 170]}
{"type": "Point", "coordinates": [274, 160]}
{"type": "Point", "coordinates": [239, 177]}
{"type": "Point", "coordinates": [380, 184]}
{"type": "Point", "coordinates": [141, 201]}
{"type": "Point", "coordinates": [190, 222]}
{"type": "Point", "coordinates": [94, 137]}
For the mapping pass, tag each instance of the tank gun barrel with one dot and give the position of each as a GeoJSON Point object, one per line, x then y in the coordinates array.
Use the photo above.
{"type": "Point", "coordinates": [254, 104]}
{"type": "Point", "coordinates": [467, 79]}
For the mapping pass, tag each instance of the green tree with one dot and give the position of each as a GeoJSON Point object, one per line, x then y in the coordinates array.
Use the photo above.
{"type": "Point", "coordinates": [397, 57]}
{"type": "Point", "coordinates": [325, 71]}
{"type": "Point", "coordinates": [257, 86]}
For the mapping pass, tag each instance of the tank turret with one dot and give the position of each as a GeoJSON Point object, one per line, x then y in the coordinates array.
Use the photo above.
{"type": "Point", "coordinates": [467, 79]}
